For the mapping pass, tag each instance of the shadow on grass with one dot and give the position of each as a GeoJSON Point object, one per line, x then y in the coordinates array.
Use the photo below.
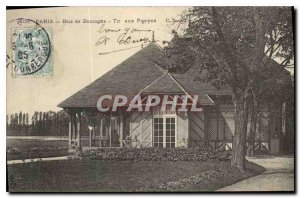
{"type": "Point", "coordinates": [125, 176]}
{"type": "Point", "coordinates": [222, 178]}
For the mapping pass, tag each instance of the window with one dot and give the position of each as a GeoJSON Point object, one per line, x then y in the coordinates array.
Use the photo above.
{"type": "Point", "coordinates": [158, 132]}
{"type": "Point", "coordinates": [170, 132]}
{"type": "Point", "coordinates": [164, 131]}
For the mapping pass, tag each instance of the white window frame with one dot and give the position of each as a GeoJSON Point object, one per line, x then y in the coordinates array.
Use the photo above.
{"type": "Point", "coordinates": [164, 117]}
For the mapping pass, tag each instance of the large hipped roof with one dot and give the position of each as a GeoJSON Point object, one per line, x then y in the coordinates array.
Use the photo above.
{"type": "Point", "coordinates": [139, 74]}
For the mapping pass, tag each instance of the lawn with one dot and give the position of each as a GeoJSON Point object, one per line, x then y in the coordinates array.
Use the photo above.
{"type": "Point", "coordinates": [121, 176]}
{"type": "Point", "coordinates": [38, 148]}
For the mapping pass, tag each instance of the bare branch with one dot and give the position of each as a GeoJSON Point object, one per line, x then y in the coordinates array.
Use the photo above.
{"type": "Point", "coordinates": [286, 60]}
{"type": "Point", "coordinates": [260, 38]}
{"type": "Point", "coordinates": [231, 61]}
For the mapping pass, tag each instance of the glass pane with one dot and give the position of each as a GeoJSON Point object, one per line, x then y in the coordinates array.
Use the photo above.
{"type": "Point", "coordinates": [161, 126]}
{"type": "Point", "coordinates": [172, 139]}
{"type": "Point", "coordinates": [172, 132]}
{"type": "Point", "coordinates": [167, 126]}
{"type": "Point", "coordinates": [168, 139]}
{"type": "Point", "coordinates": [172, 126]}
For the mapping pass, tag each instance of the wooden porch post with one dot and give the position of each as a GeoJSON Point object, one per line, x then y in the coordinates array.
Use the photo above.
{"type": "Point", "coordinates": [69, 112]}
{"type": "Point", "coordinates": [206, 120]}
{"type": "Point", "coordinates": [70, 131]}
{"type": "Point", "coordinates": [109, 131]}
{"type": "Point", "coordinates": [90, 138]}
{"type": "Point", "coordinates": [270, 121]}
{"type": "Point", "coordinates": [121, 129]}
{"type": "Point", "coordinates": [101, 130]}
{"type": "Point", "coordinates": [78, 129]}
{"type": "Point", "coordinates": [90, 130]}
{"type": "Point", "coordinates": [73, 123]}
{"type": "Point", "coordinates": [93, 134]}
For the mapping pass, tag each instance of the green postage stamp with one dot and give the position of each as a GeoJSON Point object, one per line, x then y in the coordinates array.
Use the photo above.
{"type": "Point", "coordinates": [31, 50]}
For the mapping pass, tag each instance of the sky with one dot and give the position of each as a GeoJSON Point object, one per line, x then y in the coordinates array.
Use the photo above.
{"type": "Point", "coordinates": [75, 48]}
{"type": "Point", "coordinates": [82, 52]}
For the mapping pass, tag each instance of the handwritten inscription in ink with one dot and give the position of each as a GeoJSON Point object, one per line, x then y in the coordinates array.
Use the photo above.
{"type": "Point", "coordinates": [123, 36]}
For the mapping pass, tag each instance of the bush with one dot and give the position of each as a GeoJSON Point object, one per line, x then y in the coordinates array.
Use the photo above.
{"type": "Point", "coordinates": [152, 154]}
{"type": "Point", "coordinates": [185, 182]}
{"type": "Point", "coordinates": [12, 150]}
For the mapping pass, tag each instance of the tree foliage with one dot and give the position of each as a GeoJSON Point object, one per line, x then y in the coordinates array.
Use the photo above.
{"type": "Point", "coordinates": [244, 48]}
{"type": "Point", "coordinates": [233, 44]}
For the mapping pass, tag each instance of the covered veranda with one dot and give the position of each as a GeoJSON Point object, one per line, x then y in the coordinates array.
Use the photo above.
{"type": "Point", "coordinates": [88, 128]}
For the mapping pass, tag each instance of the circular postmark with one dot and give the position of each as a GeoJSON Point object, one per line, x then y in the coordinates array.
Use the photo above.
{"type": "Point", "coordinates": [31, 47]}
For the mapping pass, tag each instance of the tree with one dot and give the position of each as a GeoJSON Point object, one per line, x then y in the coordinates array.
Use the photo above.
{"type": "Point", "coordinates": [234, 46]}
{"type": "Point", "coordinates": [44, 124]}
{"type": "Point", "coordinates": [40, 123]}
{"type": "Point", "coordinates": [20, 118]}
{"type": "Point", "coordinates": [272, 93]}
{"type": "Point", "coordinates": [27, 119]}
{"type": "Point", "coordinates": [16, 121]}
{"type": "Point", "coordinates": [7, 121]}
{"type": "Point", "coordinates": [24, 119]}
{"type": "Point", "coordinates": [27, 122]}
{"type": "Point", "coordinates": [34, 120]}
{"type": "Point", "coordinates": [12, 121]}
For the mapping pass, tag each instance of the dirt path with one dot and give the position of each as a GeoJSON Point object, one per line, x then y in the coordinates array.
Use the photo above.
{"type": "Point", "coordinates": [279, 176]}
{"type": "Point", "coordinates": [36, 160]}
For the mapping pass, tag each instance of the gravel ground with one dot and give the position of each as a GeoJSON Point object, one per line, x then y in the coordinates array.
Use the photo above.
{"type": "Point", "coordinates": [279, 176]}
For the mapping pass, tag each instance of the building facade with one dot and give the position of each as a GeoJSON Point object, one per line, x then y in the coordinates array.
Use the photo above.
{"type": "Point", "coordinates": [143, 74]}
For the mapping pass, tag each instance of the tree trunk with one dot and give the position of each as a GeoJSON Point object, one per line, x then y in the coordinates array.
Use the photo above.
{"type": "Point", "coordinates": [251, 136]}
{"type": "Point", "coordinates": [240, 132]}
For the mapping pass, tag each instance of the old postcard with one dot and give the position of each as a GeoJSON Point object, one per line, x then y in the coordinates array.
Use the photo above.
{"type": "Point", "coordinates": [150, 99]}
